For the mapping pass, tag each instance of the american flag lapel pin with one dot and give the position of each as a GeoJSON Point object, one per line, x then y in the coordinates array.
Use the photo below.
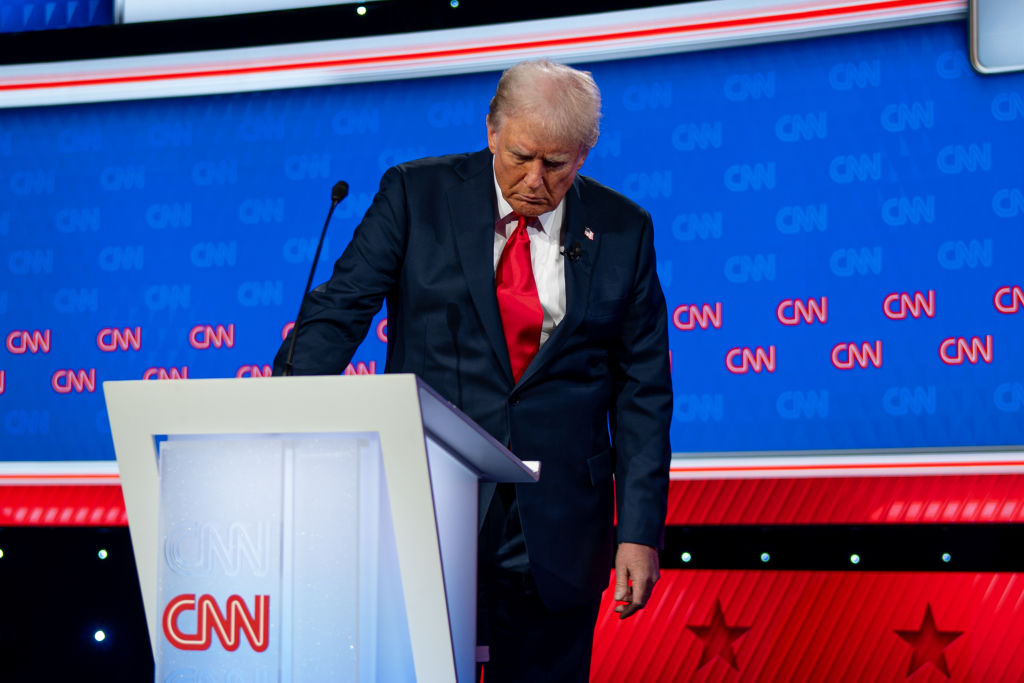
{"type": "Point", "coordinates": [589, 234]}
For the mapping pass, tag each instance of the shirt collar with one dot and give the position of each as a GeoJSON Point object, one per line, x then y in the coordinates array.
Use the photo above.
{"type": "Point", "coordinates": [549, 223]}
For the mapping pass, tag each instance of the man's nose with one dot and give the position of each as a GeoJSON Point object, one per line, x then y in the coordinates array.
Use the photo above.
{"type": "Point", "coordinates": [534, 174]}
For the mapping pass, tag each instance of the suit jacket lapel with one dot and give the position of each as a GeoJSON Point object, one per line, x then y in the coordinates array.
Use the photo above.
{"type": "Point", "coordinates": [578, 273]}
{"type": "Point", "coordinates": [471, 207]}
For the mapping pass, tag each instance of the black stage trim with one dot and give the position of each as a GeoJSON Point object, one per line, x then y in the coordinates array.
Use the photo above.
{"type": "Point", "coordinates": [57, 593]}
{"type": "Point", "coordinates": [878, 547]}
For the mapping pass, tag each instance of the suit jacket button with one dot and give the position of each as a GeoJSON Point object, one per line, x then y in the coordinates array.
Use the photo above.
{"type": "Point", "coordinates": [514, 402]}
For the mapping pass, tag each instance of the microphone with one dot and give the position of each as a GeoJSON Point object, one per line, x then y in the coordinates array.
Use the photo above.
{"type": "Point", "coordinates": [338, 193]}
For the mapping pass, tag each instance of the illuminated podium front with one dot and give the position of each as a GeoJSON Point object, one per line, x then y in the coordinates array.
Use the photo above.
{"type": "Point", "coordinates": [305, 528]}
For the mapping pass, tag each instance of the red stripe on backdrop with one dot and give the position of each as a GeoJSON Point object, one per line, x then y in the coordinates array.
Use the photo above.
{"type": "Point", "coordinates": [840, 500]}
{"type": "Point", "coordinates": [10, 478]}
{"type": "Point", "coordinates": [953, 499]}
{"type": "Point", "coordinates": [88, 505]}
{"type": "Point", "coordinates": [816, 626]}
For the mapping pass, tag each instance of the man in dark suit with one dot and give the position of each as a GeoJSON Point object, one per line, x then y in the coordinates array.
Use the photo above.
{"type": "Point", "coordinates": [527, 295]}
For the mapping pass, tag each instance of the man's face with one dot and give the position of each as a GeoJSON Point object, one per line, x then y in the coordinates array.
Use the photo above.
{"type": "Point", "coordinates": [533, 172]}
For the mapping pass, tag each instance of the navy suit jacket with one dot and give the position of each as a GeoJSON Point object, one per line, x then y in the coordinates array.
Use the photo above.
{"type": "Point", "coordinates": [595, 402]}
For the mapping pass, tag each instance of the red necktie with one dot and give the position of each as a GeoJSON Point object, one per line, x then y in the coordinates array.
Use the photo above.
{"type": "Point", "coordinates": [518, 301]}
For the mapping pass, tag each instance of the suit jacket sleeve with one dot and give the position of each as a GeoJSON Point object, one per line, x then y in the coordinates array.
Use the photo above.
{"type": "Point", "coordinates": [337, 314]}
{"type": "Point", "coordinates": [642, 409]}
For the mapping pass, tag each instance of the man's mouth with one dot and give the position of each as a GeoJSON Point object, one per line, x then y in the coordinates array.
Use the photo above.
{"type": "Point", "coordinates": [530, 200]}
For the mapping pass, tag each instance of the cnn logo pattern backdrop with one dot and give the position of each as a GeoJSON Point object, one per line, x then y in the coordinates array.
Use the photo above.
{"type": "Point", "coordinates": [840, 226]}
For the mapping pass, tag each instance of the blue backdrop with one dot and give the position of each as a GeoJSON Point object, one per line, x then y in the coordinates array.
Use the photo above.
{"type": "Point", "coordinates": [32, 15]}
{"type": "Point", "coordinates": [840, 231]}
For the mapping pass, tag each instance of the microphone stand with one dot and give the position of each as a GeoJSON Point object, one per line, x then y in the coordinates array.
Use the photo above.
{"type": "Point", "coordinates": [338, 193]}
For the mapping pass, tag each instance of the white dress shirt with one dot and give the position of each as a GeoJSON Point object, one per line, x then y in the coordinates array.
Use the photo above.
{"type": "Point", "coordinates": [545, 255]}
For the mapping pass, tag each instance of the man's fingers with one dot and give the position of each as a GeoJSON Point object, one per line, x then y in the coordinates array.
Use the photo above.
{"type": "Point", "coordinates": [621, 589]}
{"type": "Point", "coordinates": [627, 608]}
{"type": "Point", "coordinates": [636, 571]}
{"type": "Point", "coordinates": [644, 587]}
{"type": "Point", "coordinates": [621, 582]}
{"type": "Point", "coordinates": [640, 593]}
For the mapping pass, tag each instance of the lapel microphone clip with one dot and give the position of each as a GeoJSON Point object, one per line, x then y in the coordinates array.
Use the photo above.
{"type": "Point", "coordinates": [575, 253]}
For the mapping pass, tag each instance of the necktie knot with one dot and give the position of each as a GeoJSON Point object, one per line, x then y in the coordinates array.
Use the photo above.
{"type": "Point", "coordinates": [518, 220]}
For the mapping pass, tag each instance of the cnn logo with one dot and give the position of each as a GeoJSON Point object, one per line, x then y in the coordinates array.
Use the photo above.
{"type": "Point", "coordinates": [229, 626]}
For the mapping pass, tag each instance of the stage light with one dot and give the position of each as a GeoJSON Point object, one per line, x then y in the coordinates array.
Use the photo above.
{"type": "Point", "coordinates": [765, 557]}
{"type": "Point", "coordinates": [686, 557]}
{"type": "Point", "coordinates": [946, 557]}
{"type": "Point", "coordinates": [854, 559]}
{"type": "Point", "coordinates": [454, 4]}
{"type": "Point", "coordinates": [361, 10]}
{"type": "Point", "coordinates": [100, 636]}
{"type": "Point", "coordinates": [1, 552]}
{"type": "Point", "coordinates": [102, 554]}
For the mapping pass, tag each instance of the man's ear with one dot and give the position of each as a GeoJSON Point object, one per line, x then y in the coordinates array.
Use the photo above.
{"type": "Point", "coordinates": [492, 136]}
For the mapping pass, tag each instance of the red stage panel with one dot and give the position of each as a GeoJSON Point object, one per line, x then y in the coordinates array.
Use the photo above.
{"type": "Point", "coordinates": [817, 626]}
{"type": "Point", "coordinates": [848, 500]}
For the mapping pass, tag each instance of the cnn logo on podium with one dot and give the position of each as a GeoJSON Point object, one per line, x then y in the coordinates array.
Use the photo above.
{"type": "Point", "coordinates": [229, 625]}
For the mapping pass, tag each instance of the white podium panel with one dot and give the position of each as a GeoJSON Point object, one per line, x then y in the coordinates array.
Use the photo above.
{"type": "Point", "coordinates": [270, 561]}
{"type": "Point", "coordinates": [305, 528]}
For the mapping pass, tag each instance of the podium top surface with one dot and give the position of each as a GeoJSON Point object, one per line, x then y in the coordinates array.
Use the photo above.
{"type": "Point", "coordinates": [314, 404]}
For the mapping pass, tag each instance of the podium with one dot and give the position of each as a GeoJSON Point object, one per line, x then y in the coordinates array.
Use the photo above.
{"type": "Point", "coordinates": [305, 528]}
